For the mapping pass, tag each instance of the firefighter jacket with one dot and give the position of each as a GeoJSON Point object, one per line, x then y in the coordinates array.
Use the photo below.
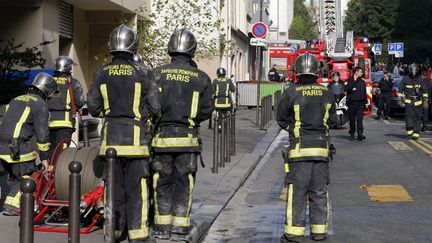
{"type": "Point", "coordinates": [356, 90]}
{"type": "Point", "coordinates": [25, 116]}
{"type": "Point", "coordinates": [125, 94]}
{"type": "Point", "coordinates": [222, 89]}
{"type": "Point", "coordinates": [186, 99]}
{"type": "Point", "coordinates": [60, 106]}
{"type": "Point", "coordinates": [306, 111]}
{"type": "Point", "coordinates": [414, 90]}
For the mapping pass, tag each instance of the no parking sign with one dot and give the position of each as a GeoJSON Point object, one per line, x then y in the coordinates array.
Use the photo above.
{"type": "Point", "coordinates": [259, 30]}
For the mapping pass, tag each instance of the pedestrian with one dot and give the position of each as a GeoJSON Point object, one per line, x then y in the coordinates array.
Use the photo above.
{"type": "Point", "coordinates": [25, 120]}
{"type": "Point", "coordinates": [125, 93]}
{"type": "Point", "coordinates": [397, 69]}
{"type": "Point", "coordinates": [306, 111]}
{"type": "Point", "coordinates": [64, 107]}
{"type": "Point", "coordinates": [356, 99]}
{"type": "Point", "coordinates": [415, 92]}
{"type": "Point", "coordinates": [273, 74]}
{"type": "Point", "coordinates": [186, 99]}
{"type": "Point", "coordinates": [385, 87]}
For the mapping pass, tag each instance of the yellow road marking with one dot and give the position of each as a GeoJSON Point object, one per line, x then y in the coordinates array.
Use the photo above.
{"type": "Point", "coordinates": [400, 146]}
{"type": "Point", "coordinates": [425, 144]}
{"type": "Point", "coordinates": [421, 147]}
{"type": "Point", "coordinates": [388, 193]}
{"type": "Point", "coordinates": [283, 195]}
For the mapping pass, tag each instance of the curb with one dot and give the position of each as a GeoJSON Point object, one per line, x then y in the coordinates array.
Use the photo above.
{"type": "Point", "coordinates": [209, 211]}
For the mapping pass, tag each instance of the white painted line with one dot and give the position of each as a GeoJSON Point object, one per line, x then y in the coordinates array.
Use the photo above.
{"type": "Point", "coordinates": [400, 146]}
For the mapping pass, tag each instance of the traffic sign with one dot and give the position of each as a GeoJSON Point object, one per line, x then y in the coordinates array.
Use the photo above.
{"type": "Point", "coordinates": [377, 49]}
{"type": "Point", "coordinates": [259, 30]}
{"type": "Point", "coordinates": [399, 54]}
{"type": "Point", "coordinates": [393, 48]}
{"type": "Point", "coordinates": [293, 49]}
{"type": "Point", "coordinates": [259, 42]}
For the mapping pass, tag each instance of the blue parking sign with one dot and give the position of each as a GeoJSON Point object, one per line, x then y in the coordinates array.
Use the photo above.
{"type": "Point", "coordinates": [394, 48]}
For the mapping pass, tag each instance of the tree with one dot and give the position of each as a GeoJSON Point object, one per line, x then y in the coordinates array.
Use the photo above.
{"type": "Point", "coordinates": [302, 27]}
{"type": "Point", "coordinates": [200, 17]}
{"type": "Point", "coordinates": [354, 17]}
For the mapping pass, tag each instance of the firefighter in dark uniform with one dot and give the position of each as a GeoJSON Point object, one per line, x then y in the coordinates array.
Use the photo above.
{"type": "Point", "coordinates": [186, 102]}
{"type": "Point", "coordinates": [63, 108]}
{"type": "Point", "coordinates": [222, 89]}
{"type": "Point", "coordinates": [415, 93]}
{"type": "Point", "coordinates": [306, 111]}
{"type": "Point", "coordinates": [385, 87]}
{"type": "Point", "coordinates": [356, 99]}
{"type": "Point", "coordinates": [126, 95]}
{"type": "Point", "coordinates": [26, 116]}
{"type": "Point", "coordinates": [273, 74]}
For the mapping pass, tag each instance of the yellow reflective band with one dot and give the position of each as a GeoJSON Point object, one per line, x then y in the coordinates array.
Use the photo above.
{"type": "Point", "coordinates": [328, 207]}
{"type": "Point", "coordinates": [194, 108]}
{"type": "Point", "coordinates": [217, 90]}
{"type": "Point", "coordinates": [181, 221]}
{"type": "Point", "coordinates": [7, 107]}
{"type": "Point", "coordinates": [417, 103]}
{"type": "Point", "coordinates": [117, 233]}
{"type": "Point", "coordinates": [21, 121]}
{"type": "Point", "coordinates": [308, 152]}
{"type": "Point", "coordinates": [60, 123]}
{"type": "Point", "coordinates": [43, 146]}
{"type": "Point", "coordinates": [126, 150]}
{"type": "Point", "coordinates": [410, 132]}
{"type": "Point", "coordinates": [287, 168]}
{"type": "Point", "coordinates": [137, 101]}
{"type": "Point", "coordinates": [407, 101]}
{"type": "Point", "coordinates": [155, 180]}
{"type": "Point", "coordinates": [318, 228]}
{"type": "Point", "coordinates": [175, 142]}
{"type": "Point", "coordinates": [13, 201]}
{"type": "Point", "coordinates": [104, 91]}
{"type": "Point", "coordinates": [409, 86]}
{"type": "Point", "coordinates": [297, 123]}
{"type": "Point", "coordinates": [416, 135]}
{"type": "Point", "coordinates": [292, 230]}
{"type": "Point", "coordinates": [326, 116]}
{"type": "Point", "coordinates": [425, 95]}
{"type": "Point", "coordinates": [289, 212]}
{"type": "Point", "coordinates": [23, 157]}
{"type": "Point", "coordinates": [144, 207]}
{"type": "Point", "coordinates": [138, 234]}
{"type": "Point", "coordinates": [160, 89]}
{"type": "Point", "coordinates": [68, 100]}
{"type": "Point", "coordinates": [105, 129]}
{"type": "Point", "coordinates": [137, 133]}
{"type": "Point", "coordinates": [191, 189]}
{"type": "Point", "coordinates": [163, 219]}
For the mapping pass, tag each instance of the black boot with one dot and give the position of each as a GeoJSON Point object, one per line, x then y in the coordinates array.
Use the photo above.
{"type": "Point", "coordinates": [319, 237]}
{"type": "Point", "coordinates": [291, 238]}
{"type": "Point", "coordinates": [361, 137]}
{"type": "Point", "coordinates": [351, 137]}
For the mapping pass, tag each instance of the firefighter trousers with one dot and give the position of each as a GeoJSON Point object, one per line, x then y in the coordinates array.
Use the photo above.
{"type": "Point", "coordinates": [59, 135]}
{"type": "Point", "coordinates": [131, 201]}
{"type": "Point", "coordinates": [413, 116]}
{"type": "Point", "coordinates": [355, 112]}
{"type": "Point", "coordinates": [173, 185]}
{"type": "Point", "coordinates": [307, 184]}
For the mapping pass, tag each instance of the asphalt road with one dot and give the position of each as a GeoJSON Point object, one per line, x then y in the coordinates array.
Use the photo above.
{"type": "Point", "coordinates": [256, 212]}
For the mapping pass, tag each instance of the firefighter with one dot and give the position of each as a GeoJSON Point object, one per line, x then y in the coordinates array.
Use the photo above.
{"type": "Point", "coordinates": [385, 87]}
{"type": "Point", "coordinates": [63, 108]}
{"type": "Point", "coordinates": [414, 91]}
{"type": "Point", "coordinates": [186, 102]}
{"type": "Point", "coordinates": [356, 99]}
{"type": "Point", "coordinates": [273, 74]}
{"type": "Point", "coordinates": [306, 111]}
{"type": "Point", "coordinates": [26, 116]}
{"type": "Point", "coordinates": [125, 94]}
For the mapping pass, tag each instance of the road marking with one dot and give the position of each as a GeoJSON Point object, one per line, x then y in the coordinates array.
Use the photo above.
{"type": "Point", "coordinates": [400, 146]}
{"type": "Point", "coordinates": [421, 147]}
{"type": "Point", "coordinates": [386, 122]}
{"type": "Point", "coordinates": [388, 193]}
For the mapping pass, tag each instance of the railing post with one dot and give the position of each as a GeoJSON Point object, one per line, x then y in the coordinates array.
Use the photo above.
{"type": "Point", "coordinates": [27, 214]}
{"type": "Point", "coordinates": [110, 219]}
{"type": "Point", "coordinates": [223, 142]}
{"type": "Point", "coordinates": [75, 168]}
{"type": "Point", "coordinates": [85, 134]}
{"type": "Point", "coordinates": [233, 149]}
{"type": "Point", "coordinates": [215, 168]}
{"type": "Point", "coordinates": [262, 114]}
{"type": "Point", "coordinates": [228, 137]}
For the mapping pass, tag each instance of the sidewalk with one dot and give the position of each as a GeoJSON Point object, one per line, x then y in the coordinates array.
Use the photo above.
{"type": "Point", "coordinates": [212, 191]}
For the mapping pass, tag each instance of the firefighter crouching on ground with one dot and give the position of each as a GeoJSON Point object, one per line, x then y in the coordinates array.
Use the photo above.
{"type": "Point", "coordinates": [415, 93]}
{"type": "Point", "coordinates": [126, 95]}
{"type": "Point", "coordinates": [186, 102]}
{"type": "Point", "coordinates": [26, 116]}
{"type": "Point", "coordinates": [63, 108]}
{"type": "Point", "coordinates": [306, 111]}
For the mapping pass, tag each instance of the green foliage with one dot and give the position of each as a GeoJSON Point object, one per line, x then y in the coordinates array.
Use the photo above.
{"type": "Point", "coordinates": [302, 27]}
{"type": "Point", "coordinates": [15, 65]}
{"type": "Point", "coordinates": [200, 17]}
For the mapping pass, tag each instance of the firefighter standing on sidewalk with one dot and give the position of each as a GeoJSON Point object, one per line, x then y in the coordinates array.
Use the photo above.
{"type": "Point", "coordinates": [415, 93]}
{"type": "Point", "coordinates": [26, 116]}
{"type": "Point", "coordinates": [126, 95]}
{"type": "Point", "coordinates": [63, 108]}
{"type": "Point", "coordinates": [186, 102]}
{"type": "Point", "coordinates": [306, 110]}
{"type": "Point", "coordinates": [223, 89]}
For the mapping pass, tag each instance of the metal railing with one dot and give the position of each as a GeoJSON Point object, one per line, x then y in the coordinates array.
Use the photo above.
{"type": "Point", "coordinates": [223, 139]}
{"type": "Point", "coordinates": [266, 111]}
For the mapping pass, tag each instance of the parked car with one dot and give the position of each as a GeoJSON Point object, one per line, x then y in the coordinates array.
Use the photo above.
{"type": "Point", "coordinates": [397, 103]}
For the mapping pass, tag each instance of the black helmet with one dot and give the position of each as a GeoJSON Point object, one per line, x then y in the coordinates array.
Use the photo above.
{"type": "Point", "coordinates": [413, 70]}
{"type": "Point", "coordinates": [182, 41]}
{"type": "Point", "coordinates": [64, 64]}
{"type": "Point", "coordinates": [221, 72]}
{"type": "Point", "coordinates": [138, 58]}
{"type": "Point", "coordinates": [46, 84]}
{"type": "Point", "coordinates": [336, 73]}
{"type": "Point", "coordinates": [306, 64]}
{"type": "Point", "coordinates": [123, 39]}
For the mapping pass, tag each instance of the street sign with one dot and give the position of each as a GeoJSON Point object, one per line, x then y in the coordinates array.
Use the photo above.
{"type": "Point", "coordinates": [259, 42]}
{"type": "Point", "coordinates": [259, 30]}
{"type": "Point", "coordinates": [393, 48]}
{"type": "Point", "coordinates": [377, 49]}
{"type": "Point", "coordinates": [293, 49]}
{"type": "Point", "coordinates": [399, 54]}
